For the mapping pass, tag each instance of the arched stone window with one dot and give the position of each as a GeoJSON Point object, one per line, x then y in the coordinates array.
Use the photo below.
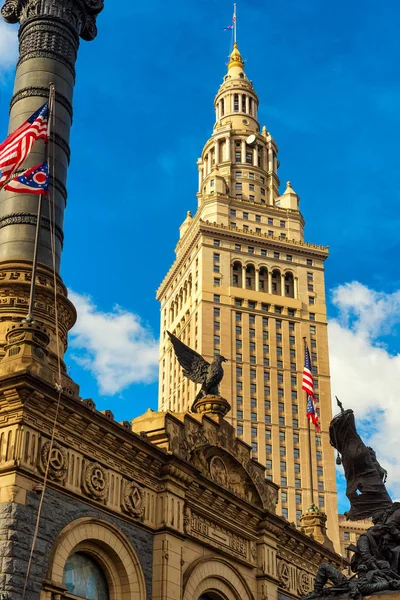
{"type": "Point", "coordinates": [289, 285]}
{"type": "Point", "coordinates": [214, 579]}
{"type": "Point", "coordinates": [84, 578]}
{"type": "Point", "coordinates": [250, 277]}
{"type": "Point", "coordinates": [237, 274]}
{"type": "Point", "coordinates": [263, 281]}
{"type": "Point", "coordinates": [97, 560]}
{"type": "Point", "coordinates": [276, 282]}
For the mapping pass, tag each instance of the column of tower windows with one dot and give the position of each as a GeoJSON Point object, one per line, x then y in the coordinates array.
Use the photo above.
{"type": "Point", "coordinates": [244, 103]}
{"type": "Point", "coordinates": [257, 278]}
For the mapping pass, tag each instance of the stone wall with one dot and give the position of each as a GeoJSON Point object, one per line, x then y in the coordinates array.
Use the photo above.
{"type": "Point", "coordinates": [17, 523]}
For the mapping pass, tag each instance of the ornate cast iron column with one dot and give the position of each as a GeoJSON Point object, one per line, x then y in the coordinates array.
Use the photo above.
{"type": "Point", "coordinates": [49, 35]}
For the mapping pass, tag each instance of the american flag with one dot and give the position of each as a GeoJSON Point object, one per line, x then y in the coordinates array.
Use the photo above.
{"type": "Point", "coordinates": [308, 386]}
{"type": "Point", "coordinates": [15, 149]}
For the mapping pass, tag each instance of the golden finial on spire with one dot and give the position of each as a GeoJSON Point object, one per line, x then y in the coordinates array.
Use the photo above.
{"type": "Point", "coordinates": [235, 59]}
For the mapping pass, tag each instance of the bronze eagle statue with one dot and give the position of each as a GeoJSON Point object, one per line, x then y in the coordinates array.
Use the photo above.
{"type": "Point", "coordinates": [197, 369]}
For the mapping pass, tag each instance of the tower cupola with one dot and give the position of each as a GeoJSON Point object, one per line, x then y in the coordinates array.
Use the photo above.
{"type": "Point", "coordinates": [236, 102]}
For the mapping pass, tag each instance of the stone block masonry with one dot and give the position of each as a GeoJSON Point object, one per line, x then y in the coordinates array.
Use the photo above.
{"type": "Point", "coordinates": [17, 524]}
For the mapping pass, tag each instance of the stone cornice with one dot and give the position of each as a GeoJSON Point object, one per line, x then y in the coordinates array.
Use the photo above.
{"type": "Point", "coordinates": [177, 264]}
{"type": "Point", "coordinates": [92, 432]}
{"type": "Point", "coordinates": [274, 241]}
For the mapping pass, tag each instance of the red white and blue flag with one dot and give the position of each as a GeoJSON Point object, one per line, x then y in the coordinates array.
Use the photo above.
{"type": "Point", "coordinates": [15, 149]}
{"type": "Point", "coordinates": [34, 181]}
{"type": "Point", "coordinates": [308, 386]}
{"type": "Point", "coordinates": [233, 20]}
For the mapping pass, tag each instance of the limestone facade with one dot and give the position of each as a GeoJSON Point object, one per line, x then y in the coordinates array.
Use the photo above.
{"type": "Point", "coordinates": [245, 284]}
{"type": "Point", "coordinates": [170, 505]}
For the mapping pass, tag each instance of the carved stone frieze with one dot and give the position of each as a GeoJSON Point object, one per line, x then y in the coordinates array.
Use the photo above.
{"type": "Point", "coordinates": [133, 499]}
{"type": "Point", "coordinates": [25, 218]}
{"type": "Point", "coordinates": [32, 91]}
{"type": "Point", "coordinates": [193, 443]}
{"type": "Point", "coordinates": [95, 481]}
{"type": "Point", "coordinates": [57, 460]}
{"type": "Point", "coordinates": [199, 527]}
{"type": "Point", "coordinates": [293, 579]}
{"type": "Point", "coordinates": [79, 15]}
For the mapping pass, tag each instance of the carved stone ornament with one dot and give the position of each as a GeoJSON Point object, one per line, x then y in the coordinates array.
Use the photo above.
{"type": "Point", "coordinates": [284, 574]}
{"type": "Point", "coordinates": [133, 499]}
{"type": "Point", "coordinates": [58, 461]}
{"type": "Point", "coordinates": [305, 583]}
{"type": "Point", "coordinates": [218, 470]}
{"type": "Point", "coordinates": [79, 14]}
{"type": "Point", "coordinates": [95, 481]}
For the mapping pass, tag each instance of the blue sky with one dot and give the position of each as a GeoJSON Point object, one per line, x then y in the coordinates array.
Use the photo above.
{"type": "Point", "coordinates": [327, 77]}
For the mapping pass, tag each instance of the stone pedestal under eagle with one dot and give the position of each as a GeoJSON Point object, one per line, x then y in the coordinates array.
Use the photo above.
{"type": "Point", "coordinates": [197, 369]}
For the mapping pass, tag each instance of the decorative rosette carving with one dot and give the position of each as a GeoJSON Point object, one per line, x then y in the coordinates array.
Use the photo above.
{"type": "Point", "coordinates": [133, 500]}
{"type": "Point", "coordinates": [58, 461]}
{"type": "Point", "coordinates": [95, 481]}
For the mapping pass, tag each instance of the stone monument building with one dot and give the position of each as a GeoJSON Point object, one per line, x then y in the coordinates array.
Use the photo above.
{"type": "Point", "coordinates": [169, 506]}
{"type": "Point", "coordinates": [245, 284]}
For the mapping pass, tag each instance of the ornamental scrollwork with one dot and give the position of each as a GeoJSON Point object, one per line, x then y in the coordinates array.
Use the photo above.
{"type": "Point", "coordinates": [133, 500]}
{"type": "Point", "coordinates": [304, 583]}
{"type": "Point", "coordinates": [57, 460]}
{"type": "Point", "coordinates": [95, 481]}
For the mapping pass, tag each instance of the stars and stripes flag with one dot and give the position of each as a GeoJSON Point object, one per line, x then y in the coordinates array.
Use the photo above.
{"type": "Point", "coordinates": [15, 149]}
{"type": "Point", "coordinates": [233, 20]}
{"type": "Point", "coordinates": [308, 386]}
{"type": "Point", "coordinates": [34, 181]}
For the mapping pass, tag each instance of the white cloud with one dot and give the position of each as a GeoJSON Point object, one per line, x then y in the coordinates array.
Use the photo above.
{"type": "Point", "coordinates": [8, 47]}
{"type": "Point", "coordinates": [365, 373]}
{"type": "Point", "coordinates": [114, 346]}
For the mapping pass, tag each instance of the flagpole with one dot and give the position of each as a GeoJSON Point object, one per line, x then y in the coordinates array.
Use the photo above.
{"type": "Point", "coordinates": [309, 441]}
{"type": "Point", "coordinates": [30, 316]}
{"type": "Point", "coordinates": [234, 23]}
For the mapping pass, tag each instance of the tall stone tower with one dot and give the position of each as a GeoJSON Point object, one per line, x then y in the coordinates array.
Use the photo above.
{"type": "Point", "coordinates": [48, 44]}
{"type": "Point", "coordinates": [245, 284]}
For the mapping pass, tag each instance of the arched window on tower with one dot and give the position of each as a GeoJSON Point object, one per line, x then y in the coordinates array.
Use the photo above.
{"type": "Point", "coordinates": [249, 155]}
{"type": "Point", "coordinates": [289, 285]}
{"type": "Point", "coordinates": [236, 102]}
{"type": "Point", "coordinates": [243, 103]}
{"type": "Point", "coordinates": [250, 106]}
{"type": "Point", "coordinates": [250, 277]}
{"type": "Point", "coordinates": [84, 578]}
{"type": "Point", "coordinates": [276, 282]}
{"type": "Point", "coordinates": [260, 156]}
{"type": "Point", "coordinates": [237, 274]}
{"type": "Point", "coordinates": [222, 107]}
{"type": "Point", "coordinates": [263, 285]}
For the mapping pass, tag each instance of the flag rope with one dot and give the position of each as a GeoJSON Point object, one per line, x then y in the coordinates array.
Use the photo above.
{"type": "Point", "coordinates": [58, 386]}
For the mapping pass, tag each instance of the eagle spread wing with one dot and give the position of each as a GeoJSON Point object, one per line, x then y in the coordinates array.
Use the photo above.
{"type": "Point", "coordinates": [194, 366]}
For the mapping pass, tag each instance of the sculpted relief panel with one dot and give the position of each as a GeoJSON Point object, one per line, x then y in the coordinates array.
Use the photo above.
{"type": "Point", "coordinates": [294, 580]}
{"type": "Point", "coordinates": [203, 529]}
{"type": "Point", "coordinates": [194, 442]}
